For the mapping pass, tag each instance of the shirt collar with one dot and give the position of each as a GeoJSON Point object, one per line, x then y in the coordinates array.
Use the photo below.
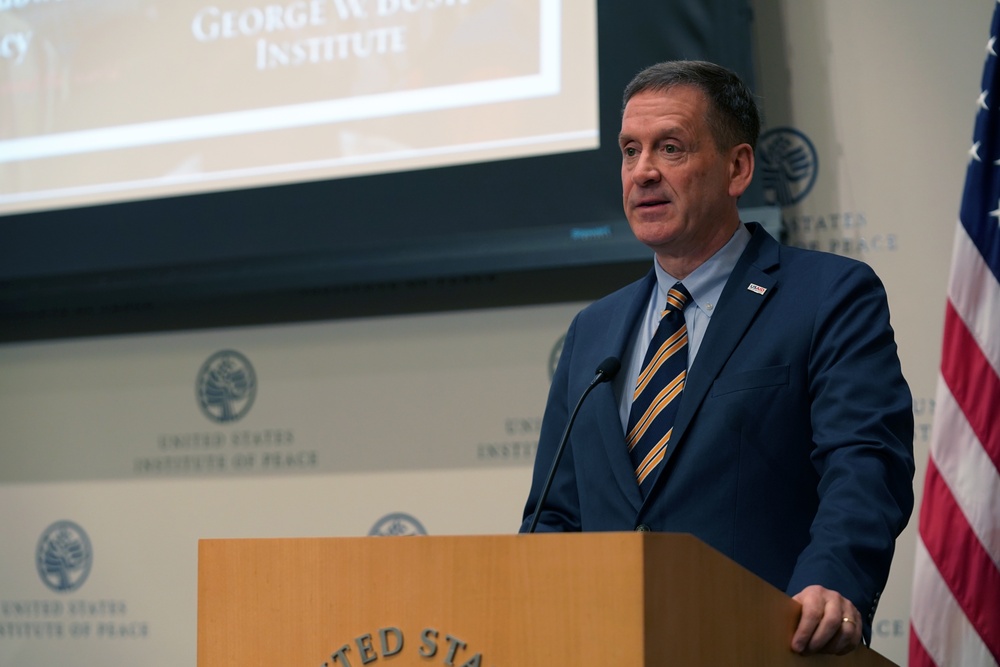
{"type": "Point", "coordinates": [705, 284]}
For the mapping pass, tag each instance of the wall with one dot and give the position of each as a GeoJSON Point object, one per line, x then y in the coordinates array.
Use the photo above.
{"type": "Point", "coordinates": [428, 422]}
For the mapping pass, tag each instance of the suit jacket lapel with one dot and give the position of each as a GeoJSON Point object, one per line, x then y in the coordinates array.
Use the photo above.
{"type": "Point", "coordinates": [737, 307]}
{"type": "Point", "coordinates": [606, 410]}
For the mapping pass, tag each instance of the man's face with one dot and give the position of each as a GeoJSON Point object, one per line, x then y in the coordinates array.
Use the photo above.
{"type": "Point", "coordinates": [679, 191]}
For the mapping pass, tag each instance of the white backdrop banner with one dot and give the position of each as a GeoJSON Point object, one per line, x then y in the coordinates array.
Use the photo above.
{"type": "Point", "coordinates": [119, 454]}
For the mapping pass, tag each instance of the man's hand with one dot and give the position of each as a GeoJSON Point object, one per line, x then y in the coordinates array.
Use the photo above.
{"type": "Point", "coordinates": [830, 623]}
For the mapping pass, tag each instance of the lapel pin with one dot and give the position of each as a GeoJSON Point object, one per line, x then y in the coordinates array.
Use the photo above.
{"type": "Point", "coordinates": [756, 289]}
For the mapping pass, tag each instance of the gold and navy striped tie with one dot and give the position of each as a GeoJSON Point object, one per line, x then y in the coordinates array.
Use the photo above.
{"type": "Point", "coordinates": [658, 389]}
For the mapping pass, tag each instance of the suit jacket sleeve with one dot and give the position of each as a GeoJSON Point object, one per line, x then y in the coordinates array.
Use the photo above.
{"type": "Point", "coordinates": [862, 422]}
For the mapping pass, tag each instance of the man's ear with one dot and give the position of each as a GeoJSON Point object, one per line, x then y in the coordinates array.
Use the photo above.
{"type": "Point", "coordinates": [741, 164]}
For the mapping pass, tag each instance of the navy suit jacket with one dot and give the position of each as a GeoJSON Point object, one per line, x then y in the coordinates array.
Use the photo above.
{"type": "Point", "coordinates": [792, 450]}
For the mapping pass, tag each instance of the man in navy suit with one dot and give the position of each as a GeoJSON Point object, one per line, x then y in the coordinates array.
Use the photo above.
{"type": "Point", "coordinates": [791, 449]}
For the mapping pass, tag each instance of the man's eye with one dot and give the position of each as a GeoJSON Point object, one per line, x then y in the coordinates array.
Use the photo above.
{"type": "Point", "coordinates": [629, 151]}
{"type": "Point", "coordinates": [670, 148]}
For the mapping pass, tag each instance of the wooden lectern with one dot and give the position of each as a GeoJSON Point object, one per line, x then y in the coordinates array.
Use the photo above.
{"type": "Point", "coordinates": [566, 600]}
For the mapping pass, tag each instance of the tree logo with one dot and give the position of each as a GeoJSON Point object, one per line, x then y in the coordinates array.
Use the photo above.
{"type": "Point", "coordinates": [226, 386]}
{"type": "Point", "coordinates": [64, 556]}
{"type": "Point", "coordinates": [788, 165]}
{"type": "Point", "coordinates": [397, 523]}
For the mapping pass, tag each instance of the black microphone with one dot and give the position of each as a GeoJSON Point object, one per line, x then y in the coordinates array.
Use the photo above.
{"type": "Point", "coordinates": [605, 371]}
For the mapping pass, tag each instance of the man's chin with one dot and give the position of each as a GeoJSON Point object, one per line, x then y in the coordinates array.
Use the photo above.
{"type": "Point", "coordinates": [653, 233]}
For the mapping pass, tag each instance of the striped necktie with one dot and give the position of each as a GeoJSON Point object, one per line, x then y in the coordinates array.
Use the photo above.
{"type": "Point", "coordinates": [658, 390]}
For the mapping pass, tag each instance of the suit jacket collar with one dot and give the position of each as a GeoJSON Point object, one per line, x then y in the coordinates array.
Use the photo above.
{"type": "Point", "coordinates": [624, 322]}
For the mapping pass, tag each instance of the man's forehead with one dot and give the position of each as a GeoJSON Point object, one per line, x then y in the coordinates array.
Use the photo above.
{"type": "Point", "coordinates": [669, 112]}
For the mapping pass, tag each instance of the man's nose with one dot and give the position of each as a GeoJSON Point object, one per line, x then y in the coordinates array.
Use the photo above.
{"type": "Point", "coordinates": [646, 170]}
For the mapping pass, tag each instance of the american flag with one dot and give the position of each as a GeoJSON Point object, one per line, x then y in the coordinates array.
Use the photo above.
{"type": "Point", "coordinates": [955, 609]}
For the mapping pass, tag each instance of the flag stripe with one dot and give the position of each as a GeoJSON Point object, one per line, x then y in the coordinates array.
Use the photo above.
{"type": "Point", "coordinates": [918, 653]}
{"type": "Point", "coordinates": [939, 624]}
{"type": "Point", "coordinates": [968, 472]}
{"type": "Point", "coordinates": [966, 568]}
{"type": "Point", "coordinates": [973, 383]}
{"type": "Point", "coordinates": [975, 295]}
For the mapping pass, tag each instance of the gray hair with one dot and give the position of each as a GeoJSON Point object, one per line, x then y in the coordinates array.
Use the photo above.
{"type": "Point", "coordinates": [733, 117]}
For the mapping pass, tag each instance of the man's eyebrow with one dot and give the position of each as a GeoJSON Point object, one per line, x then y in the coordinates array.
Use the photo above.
{"type": "Point", "coordinates": [668, 132]}
{"type": "Point", "coordinates": [624, 137]}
